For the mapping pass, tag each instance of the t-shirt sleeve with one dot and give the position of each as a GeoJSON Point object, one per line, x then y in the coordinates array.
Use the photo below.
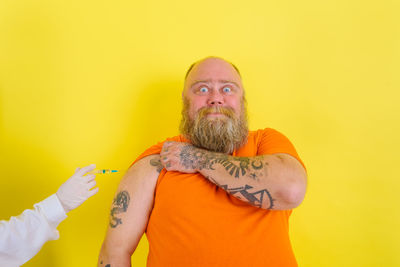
{"type": "Point", "coordinates": [272, 141]}
{"type": "Point", "coordinates": [156, 149]}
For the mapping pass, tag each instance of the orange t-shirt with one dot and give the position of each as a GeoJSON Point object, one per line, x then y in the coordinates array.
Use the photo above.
{"type": "Point", "coordinates": [196, 223]}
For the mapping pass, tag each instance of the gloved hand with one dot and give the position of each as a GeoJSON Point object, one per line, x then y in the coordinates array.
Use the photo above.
{"type": "Point", "coordinates": [76, 189]}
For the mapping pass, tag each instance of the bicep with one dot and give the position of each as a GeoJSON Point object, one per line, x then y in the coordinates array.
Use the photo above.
{"type": "Point", "coordinates": [132, 205]}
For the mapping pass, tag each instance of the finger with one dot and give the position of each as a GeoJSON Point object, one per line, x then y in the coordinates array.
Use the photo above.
{"type": "Point", "coordinates": [164, 154]}
{"type": "Point", "coordinates": [164, 149]}
{"type": "Point", "coordinates": [90, 177]}
{"type": "Point", "coordinates": [76, 171]}
{"type": "Point", "coordinates": [167, 144]}
{"type": "Point", "coordinates": [93, 192]}
{"type": "Point", "coordinates": [91, 184]}
{"type": "Point", "coordinates": [168, 165]}
{"type": "Point", "coordinates": [86, 169]}
{"type": "Point", "coordinates": [164, 164]}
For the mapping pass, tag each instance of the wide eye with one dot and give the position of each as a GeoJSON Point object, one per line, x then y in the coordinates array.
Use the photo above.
{"type": "Point", "coordinates": [203, 89]}
{"type": "Point", "coordinates": [227, 90]}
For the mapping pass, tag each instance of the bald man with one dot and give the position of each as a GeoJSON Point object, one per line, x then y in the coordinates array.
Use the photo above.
{"type": "Point", "coordinates": [216, 195]}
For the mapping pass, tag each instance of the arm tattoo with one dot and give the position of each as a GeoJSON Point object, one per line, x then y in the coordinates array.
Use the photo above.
{"type": "Point", "coordinates": [255, 198]}
{"type": "Point", "coordinates": [120, 205]}
{"type": "Point", "coordinates": [196, 158]}
{"type": "Point", "coordinates": [108, 265]}
{"type": "Point", "coordinates": [157, 163]}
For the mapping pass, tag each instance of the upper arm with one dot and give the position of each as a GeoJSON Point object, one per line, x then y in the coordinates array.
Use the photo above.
{"type": "Point", "coordinates": [131, 208]}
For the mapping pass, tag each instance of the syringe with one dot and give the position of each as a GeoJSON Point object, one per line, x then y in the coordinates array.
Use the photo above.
{"type": "Point", "coordinates": [104, 171]}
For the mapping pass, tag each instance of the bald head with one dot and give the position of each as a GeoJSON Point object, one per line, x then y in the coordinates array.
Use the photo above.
{"type": "Point", "coordinates": [212, 68]}
{"type": "Point", "coordinates": [191, 66]}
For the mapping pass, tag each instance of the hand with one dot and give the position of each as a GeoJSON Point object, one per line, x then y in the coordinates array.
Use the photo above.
{"type": "Point", "coordinates": [178, 156]}
{"type": "Point", "coordinates": [76, 189]}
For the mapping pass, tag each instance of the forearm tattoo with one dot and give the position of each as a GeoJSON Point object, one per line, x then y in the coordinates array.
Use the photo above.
{"type": "Point", "coordinates": [107, 265]}
{"type": "Point", "coordinates": [156, 162]}
{"type": "Point", "coordinates": [254, 198]}
{"type": "Point", "coordinates": [120, 205]}
{"type": "Point", "coordinates": [195, 158]}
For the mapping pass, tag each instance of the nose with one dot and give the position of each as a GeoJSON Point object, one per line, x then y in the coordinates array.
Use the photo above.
{"type": "Point", "coordinates": [215, 99]}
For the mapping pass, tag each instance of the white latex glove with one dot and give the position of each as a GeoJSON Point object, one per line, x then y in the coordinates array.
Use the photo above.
{"type": "Point", "coordinates": [76, 189]}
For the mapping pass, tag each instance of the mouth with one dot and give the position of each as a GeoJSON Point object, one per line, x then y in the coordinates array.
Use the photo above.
{"type": "Point", "coordinates": [215, 114]}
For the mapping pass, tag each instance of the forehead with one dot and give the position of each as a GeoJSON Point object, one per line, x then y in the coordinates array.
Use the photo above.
{"type": "Point", "coordinates": [212, 70]}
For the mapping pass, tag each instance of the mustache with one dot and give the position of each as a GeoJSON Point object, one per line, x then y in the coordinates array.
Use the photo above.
{"type": "Point", "coordinates": [223, 134]}
{"type": "Point", "coordinates": [227, 111]}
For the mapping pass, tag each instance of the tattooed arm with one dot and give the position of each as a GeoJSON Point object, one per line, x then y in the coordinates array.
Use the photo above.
{"type": "Point", "coordinates": [130, 211]}
{"type": "Point", "coordinates": [276, 181]}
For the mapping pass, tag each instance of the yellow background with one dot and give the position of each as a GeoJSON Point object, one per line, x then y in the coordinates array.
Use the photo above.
{"type": "Point", "coordinates": [99, 81]}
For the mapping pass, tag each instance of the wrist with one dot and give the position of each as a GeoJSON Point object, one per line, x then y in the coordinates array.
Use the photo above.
{"type": "Point", "coordinates": [62, 203]}
{"type": "Point", "coordinates": [198, 155]}
{"type": "Point", "coordinates": [53, 210]}
{"type": "Point", "coordinates": [202, 160]}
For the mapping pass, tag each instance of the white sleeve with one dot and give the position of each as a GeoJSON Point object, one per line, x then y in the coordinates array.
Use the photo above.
{"type": "Point", "coordinates": [23, 236]}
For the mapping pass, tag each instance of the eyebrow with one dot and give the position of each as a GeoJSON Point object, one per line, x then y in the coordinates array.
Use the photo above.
{"type": "Point", "coordinates": [220, 81]}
